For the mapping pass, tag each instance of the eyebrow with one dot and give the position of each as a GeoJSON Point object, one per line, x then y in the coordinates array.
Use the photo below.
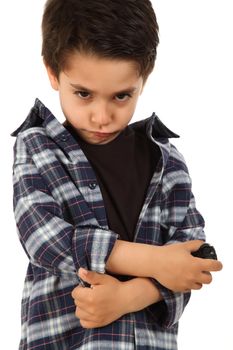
{"type": "Point", "coordinates": [131, 89]}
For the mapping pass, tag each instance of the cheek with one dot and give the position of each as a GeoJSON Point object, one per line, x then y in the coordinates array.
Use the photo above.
{"type": "Point", "coordinates": [68, 105]}
{"type": "Point", "coordinates": [132, 106]}
{"type": "Point", "coordinates": [76, 115]}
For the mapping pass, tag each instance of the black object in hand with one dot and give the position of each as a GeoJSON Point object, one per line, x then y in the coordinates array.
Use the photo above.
{"type": "Point", "coordinates": [205, 251]}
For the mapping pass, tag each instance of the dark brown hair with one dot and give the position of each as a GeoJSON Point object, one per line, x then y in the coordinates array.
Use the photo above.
{"type": "Point", "coordinates": [115, 29]}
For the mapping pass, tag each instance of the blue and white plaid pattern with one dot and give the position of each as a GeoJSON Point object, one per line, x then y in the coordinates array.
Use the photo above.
{"type": "Point", "coordinates": [62, 225]}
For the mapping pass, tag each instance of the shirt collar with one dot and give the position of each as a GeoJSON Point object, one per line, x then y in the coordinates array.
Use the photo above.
{"type": "Point", "coordinates": [157, 133]}
{"type": "Point", "coordinates": [38, 116]}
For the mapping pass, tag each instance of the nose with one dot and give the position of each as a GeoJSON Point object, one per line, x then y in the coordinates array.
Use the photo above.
{"type": "Point", "coordinates": [101, 114]}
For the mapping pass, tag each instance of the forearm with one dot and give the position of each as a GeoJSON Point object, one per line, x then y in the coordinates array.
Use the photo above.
{"type": "Point", "coordinates": [133, 259]}
{"type": "Point", "coordinates": [139, 293]}
{"type": "Point", "coordinates": [172, 265]}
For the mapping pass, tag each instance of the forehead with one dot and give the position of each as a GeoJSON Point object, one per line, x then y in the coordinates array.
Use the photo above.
{"type": "Point", "coordinates": [93, 70]}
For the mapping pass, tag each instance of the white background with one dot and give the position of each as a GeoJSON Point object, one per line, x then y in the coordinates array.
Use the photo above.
{"type": "Point", "coordinates": [191, 91]}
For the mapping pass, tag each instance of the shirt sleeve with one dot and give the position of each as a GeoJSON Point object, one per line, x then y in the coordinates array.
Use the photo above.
{"type": "Point", "coordinates": [180, 222]}
{"type": "Point", "coordinates": [48, 239]}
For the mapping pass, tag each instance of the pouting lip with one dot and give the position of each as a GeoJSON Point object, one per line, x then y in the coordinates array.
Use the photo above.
{"type": "Point", "coordinates": [102, 134]}
{"type": "Point", "coordinates": [100, 137]}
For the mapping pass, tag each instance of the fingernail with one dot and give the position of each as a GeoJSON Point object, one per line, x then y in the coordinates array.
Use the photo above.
{"type": "Point", "coordinates": [83, 271]}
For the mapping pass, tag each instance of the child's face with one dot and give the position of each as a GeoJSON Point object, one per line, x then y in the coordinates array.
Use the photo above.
{"type": "Point", "coordinates": [98, 96]}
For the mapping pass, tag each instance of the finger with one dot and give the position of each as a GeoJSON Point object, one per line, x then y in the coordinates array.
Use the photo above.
{"type": "Point", "coordinates": [82, 314]}
{"type": "Point", "coordinates": [76, 291]}
{"type": "Point", "coordinates": [88, 320]}
{"type": "Point", "coordinates": [187, 291]}
{"type": "Point", "coordinates": [89, 324]}
{"type": "Point", "coordinates": [197, 286]}
{"type": "Point", "coordinates": [211, 265]}
{"type": "Point", "coordinates": [193, 245]}
{"type": "Point", "coordinates": [85, 315]}
{"type": "Point", "coordinates": [206, 278]}
{"type": "Point", "coordinates": [77, 303]}
{"type": "Point", "coordinates": [83, 295]}
{"type": "Point", "coordinates": [91, 277]}
{"type": "Point", "coordinates": [83, 303]}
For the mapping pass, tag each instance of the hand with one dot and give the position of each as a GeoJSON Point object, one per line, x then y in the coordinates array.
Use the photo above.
{"type": "Point", "coordinates": [101, 304]}
{"type": "Point", "coordinates": [180, 271]}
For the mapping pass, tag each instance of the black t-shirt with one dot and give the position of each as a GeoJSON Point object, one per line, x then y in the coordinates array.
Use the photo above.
{"type": "Point", "coordinates": [124, 168]}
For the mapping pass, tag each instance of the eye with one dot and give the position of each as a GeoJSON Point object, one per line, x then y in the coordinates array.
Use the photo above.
{"type": "Point", "coordinates": [123, 97]}
{"type": "Point", "coordinates": [82, 94]}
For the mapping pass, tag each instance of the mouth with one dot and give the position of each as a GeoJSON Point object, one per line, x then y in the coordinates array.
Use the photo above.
{"type": "Point", "coordinates": [102, 134]}
{"type": "Point", "coordinates": [102, 137]}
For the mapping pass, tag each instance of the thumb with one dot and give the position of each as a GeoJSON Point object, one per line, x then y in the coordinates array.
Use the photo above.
{"type": "Point", "coordinates": [194, 245]}
{"type": "Point", "coordinates": [91, 277]}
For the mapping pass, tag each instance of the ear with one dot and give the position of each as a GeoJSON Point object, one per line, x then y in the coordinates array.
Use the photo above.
{"type": "Point", "coordinates": [52, 77]}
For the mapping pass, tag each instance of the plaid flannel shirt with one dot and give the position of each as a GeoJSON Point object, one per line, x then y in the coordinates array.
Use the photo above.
{"type": "Point", "coordinates": [62, 225]}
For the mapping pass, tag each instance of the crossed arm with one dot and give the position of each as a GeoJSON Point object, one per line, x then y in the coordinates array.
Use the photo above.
{"type": "Point", "coordinates": [108, 298]}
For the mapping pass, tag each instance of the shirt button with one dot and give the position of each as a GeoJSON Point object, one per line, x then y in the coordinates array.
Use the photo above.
{"type": "Point", "coordinates": [64, 137]}
{"type": "Point", "coordinates": [92, 185]}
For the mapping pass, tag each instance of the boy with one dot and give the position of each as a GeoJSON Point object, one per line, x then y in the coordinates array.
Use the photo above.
{"type": "Point", "coordinates": [98, 202]}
